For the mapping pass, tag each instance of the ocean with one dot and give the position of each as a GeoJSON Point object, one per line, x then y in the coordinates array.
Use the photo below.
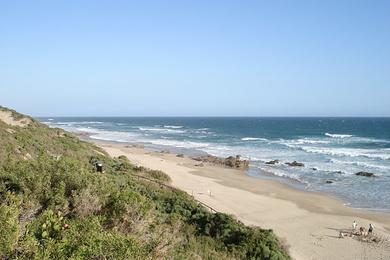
{"type": "Point", "coordinates": [332, 149]}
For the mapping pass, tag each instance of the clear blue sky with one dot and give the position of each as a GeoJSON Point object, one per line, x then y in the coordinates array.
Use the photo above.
{"type": "Point", "coordinates": [224, 58]}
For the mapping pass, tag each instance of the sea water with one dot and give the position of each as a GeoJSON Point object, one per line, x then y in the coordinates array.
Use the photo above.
{"type": "Point", "coordinates": [332, 149]}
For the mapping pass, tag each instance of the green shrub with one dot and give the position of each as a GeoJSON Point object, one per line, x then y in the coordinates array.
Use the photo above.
{"type": "Point", "coordinates": [53, 205]}
{"type": "Point", "coordinates": [9, 224]}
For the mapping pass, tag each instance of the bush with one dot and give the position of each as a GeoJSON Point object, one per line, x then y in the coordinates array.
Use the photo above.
{"type": "Point", "coordinates": [9, 224]}
{"type": "Point", "coordinates": [53, 205]}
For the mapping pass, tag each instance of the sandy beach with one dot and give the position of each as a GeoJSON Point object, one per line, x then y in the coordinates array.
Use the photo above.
{"type": "Point", "coordinates": [309, 223]}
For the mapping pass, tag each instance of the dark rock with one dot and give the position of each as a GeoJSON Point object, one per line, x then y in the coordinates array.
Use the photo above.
{"type": "Point", "coordinates": [295, 164]}
{"type": "Point", "coordinates": [199, 165]}
{"type": "Point", "coordinates": [366, 174]}
{"type": "Point", "coordinates": [273, 162]}
{"type": "Point", "coordinates": [236, 162]}
{"type": "Point", "coordinates": [328, 181]}
{"type": "Point", "coordinates": [231, 161]}
{"type": "Point", "coordinates": [314, 169]}
{"type": "Point", "coordinates": [180, 155]}
{"type": "Point", "coordinates": [338, 172]}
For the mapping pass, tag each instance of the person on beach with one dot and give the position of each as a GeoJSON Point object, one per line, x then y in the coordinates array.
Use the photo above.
{"type": "Point", "coordinates": [354, 225]}
{"type": "Point", "coordinates": [361, 231]}
{"type": "Point", "coordinates": [370, 228]}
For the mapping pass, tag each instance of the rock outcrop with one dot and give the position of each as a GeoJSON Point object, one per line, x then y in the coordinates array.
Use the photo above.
{"type": "Point", "coordinates": [295, 164]}
{"type": "Point", "coordinates": [231, 161]}
{"type": "Point", "coordinates": [273, 162]}
{"type": "Point", "coordinates": [365, 174]}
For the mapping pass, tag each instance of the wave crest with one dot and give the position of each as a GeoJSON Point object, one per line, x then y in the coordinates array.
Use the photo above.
{"type": "Point", "coordinates": [173, 126]}
{"type": "Point", "coordinates": [338, 135]}
{"type": "Point", "coordinates": [253, 139]}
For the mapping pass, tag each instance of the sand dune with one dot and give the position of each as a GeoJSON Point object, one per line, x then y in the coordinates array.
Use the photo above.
{"type": "Point", "coordinates": [6, 117]}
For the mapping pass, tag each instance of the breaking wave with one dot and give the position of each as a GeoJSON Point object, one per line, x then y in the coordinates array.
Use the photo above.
{"type": "Point", "coordinates": [161, 130]}
{"type": "Point", "coordinates": [338, 135]}
{"type": "Point", "coordinates": [173, 126]}
{"type": "Point", "coordinates": [367, 153]}
{"type": "Point", "coordinates": [253, 139]}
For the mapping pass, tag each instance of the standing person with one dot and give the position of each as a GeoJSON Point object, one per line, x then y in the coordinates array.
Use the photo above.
{"type": "Point", "coordinates": [354, 225]}
{"type": "Point", "coordinates": [370, 228]}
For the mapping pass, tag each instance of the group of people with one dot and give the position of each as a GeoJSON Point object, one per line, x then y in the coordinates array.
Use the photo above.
{"type": "Point", "coordinates": [362, 229]}
{"type": "Point", "coordinates": [360, 232]}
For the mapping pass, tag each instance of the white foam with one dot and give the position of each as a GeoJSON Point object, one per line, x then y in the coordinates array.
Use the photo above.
{"type": "Point", "coordinates": [64, 123]}
{"type": "Point", "coordinates": [309, 141]}
{"type": "Point", "coordinates": [179, 144]}
{"type": "Point", "coordinates": [173, 126]}
{"type": "Point", "coordinates": [338, 135]}
{"type": "Point", "coordinates": [253, 139]}
{"type": "Point", "coordinates": [281, 173]}
{"type": "Point", "coordinates": [292, 143]}
{"type": "Point", "coordinates": [89, 130]}
{"type": "Point", "coordinates": [349, 152]}
{"type": "Point", "coordinates": [361, 164]}
{"type": "Point", "coordinates": [160, 130]}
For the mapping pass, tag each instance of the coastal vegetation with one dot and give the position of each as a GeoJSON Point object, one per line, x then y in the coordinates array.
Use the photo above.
{"type": "Point", "coordinates": [55, 205]}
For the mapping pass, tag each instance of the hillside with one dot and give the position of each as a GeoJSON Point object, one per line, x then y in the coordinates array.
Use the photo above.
{"type": "Point", "coordinates": [55, 205]}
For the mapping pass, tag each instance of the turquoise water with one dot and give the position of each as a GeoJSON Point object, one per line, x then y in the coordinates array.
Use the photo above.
{"type": "Point", "coordinates": [336, 147]}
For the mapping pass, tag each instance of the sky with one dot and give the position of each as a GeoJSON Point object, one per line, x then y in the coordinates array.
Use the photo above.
{"type": "Point", "coordinates": [195, 58]}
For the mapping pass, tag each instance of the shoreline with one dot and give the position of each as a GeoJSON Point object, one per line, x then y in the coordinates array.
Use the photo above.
{"type": "Point", "coordinates": [309, 222]}
{"type": "Point", "coordinates": [323, 171]}
{"type": "Point", "coordinates": [267, 176]}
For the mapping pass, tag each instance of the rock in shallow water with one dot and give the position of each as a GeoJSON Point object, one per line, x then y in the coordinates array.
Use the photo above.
{"type": "Point", "coordinates": [366, 174]}
{"type": "Point", "coordinates": [295, 164]}
{"type": "Point", "coordinates": [273, 162]}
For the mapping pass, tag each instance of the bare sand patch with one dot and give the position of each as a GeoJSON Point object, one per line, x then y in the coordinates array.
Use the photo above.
{"type": "Point", "coordinates": [6, 117]}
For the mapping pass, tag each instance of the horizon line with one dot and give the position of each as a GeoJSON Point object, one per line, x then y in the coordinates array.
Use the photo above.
{"type": "Point", "coordinates": [210, 116]}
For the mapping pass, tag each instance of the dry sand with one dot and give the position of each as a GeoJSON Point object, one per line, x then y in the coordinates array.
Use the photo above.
{"type": "Point", "coordinates": [6, 117]}
{"type": "Point", "coordinates": [308, 222]}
